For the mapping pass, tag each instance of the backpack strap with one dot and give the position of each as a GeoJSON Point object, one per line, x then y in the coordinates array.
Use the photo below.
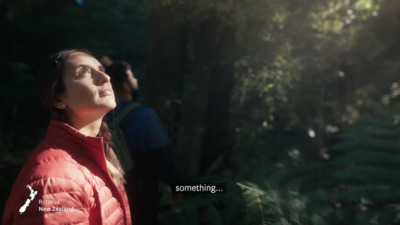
{"type": "Point", "coordinates": [121, 147]}
{"type": "Point", "coordinates": [125, 111]}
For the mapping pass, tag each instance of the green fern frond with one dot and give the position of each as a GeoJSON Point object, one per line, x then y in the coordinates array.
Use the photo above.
{"type": "Point", "coordinates": [269, 206]}
{"type": "Point", "coordinates": [366, 174]}
{"type": "Point", "coordinates": [367, 157]}
{"type": "Point", "coordinates": [371, 132]}
{"type": "Point", "coordinates": [359, 184]}
{"type": "Point", "coordinates": [376, 194]}
{"type": "Point", "coordinates": [372, 143]}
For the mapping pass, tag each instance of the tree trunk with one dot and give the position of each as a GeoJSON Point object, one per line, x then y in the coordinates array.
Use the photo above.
{"type": "Point", "coordinates": [190, 60]}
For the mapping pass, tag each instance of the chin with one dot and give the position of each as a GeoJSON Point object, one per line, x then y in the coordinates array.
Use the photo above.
{"type": "Point", "coordinates": [112, 105]}
{"type": "Point", "coordinates": [105, 108]}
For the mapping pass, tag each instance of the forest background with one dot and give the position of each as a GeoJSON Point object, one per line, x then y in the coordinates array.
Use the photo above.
{"type": "Point", "coordinates": [293, 103]}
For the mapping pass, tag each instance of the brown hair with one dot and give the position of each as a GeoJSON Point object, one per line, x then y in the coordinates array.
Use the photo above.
{"type": "Point", "coordinates": [52, 86]}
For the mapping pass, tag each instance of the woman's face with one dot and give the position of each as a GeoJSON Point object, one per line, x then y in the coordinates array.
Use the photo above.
{"type": "Point", "coordinates": [88, 92]}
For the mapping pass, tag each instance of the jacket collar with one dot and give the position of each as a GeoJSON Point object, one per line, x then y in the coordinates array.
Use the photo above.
{"type": "Point", "coordinates": [91, 146]}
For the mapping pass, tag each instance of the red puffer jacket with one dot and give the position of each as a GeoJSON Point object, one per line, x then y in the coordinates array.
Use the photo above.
{"type": "Point", "coordinates": [68, 184]}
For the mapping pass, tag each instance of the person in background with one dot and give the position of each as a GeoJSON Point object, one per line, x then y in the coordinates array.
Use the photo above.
{"type": "Point", "coordinates": [148, 143]}
{"type": "Point", "coordinates": [73, 176]}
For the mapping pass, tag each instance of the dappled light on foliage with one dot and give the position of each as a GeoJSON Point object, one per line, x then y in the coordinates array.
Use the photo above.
{"type": "Point", "coordinates": [294, 104]}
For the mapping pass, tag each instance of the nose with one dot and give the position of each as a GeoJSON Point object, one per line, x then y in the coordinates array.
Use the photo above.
{"type": "Point", "coordinates": [102, 78]}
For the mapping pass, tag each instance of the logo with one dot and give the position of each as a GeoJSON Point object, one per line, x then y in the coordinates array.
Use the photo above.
{"type": "Point", "coordinates": [28, 200]}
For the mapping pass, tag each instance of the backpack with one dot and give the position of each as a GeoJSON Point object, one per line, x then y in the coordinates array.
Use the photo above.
{"type": "Point", "coordinates": [119, 145]}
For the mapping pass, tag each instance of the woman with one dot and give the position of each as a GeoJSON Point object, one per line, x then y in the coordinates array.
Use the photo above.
{"type": "Point", "coordinates": [73, 176]}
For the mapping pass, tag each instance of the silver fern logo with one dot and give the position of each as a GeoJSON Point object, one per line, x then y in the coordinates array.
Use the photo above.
{"type": "Point", "coordinates": [31, 197]}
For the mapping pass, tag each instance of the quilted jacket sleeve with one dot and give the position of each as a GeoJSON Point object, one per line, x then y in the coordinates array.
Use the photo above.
{"type": "Point", "coordinates": [57, 201]}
